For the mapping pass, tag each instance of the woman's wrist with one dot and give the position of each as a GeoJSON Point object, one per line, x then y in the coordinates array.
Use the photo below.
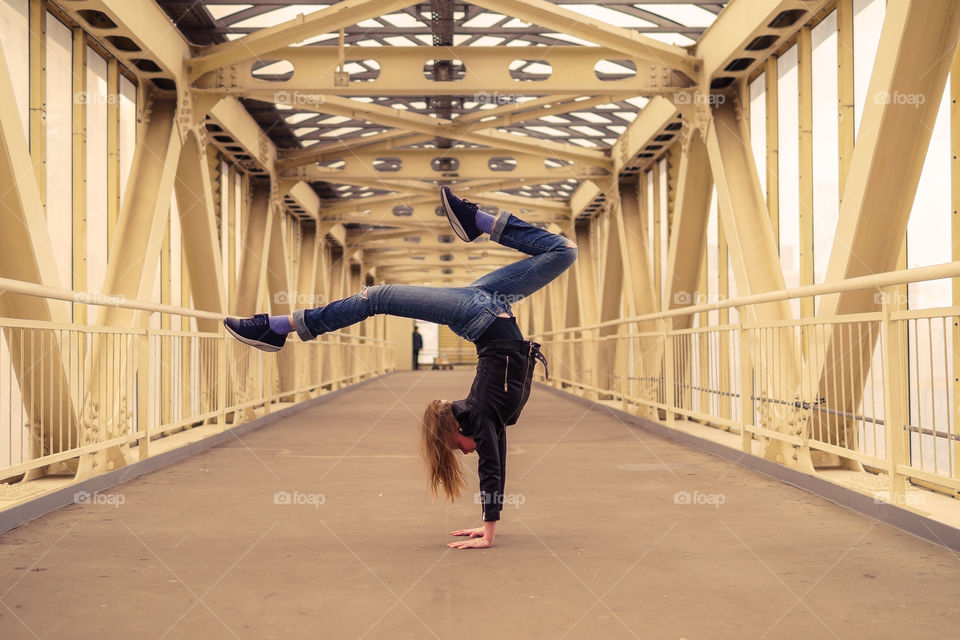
{"type": "Point", "coordinates": [489, 529]}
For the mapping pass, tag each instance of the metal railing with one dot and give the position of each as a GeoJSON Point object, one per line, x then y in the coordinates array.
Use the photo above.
{"type": "Point", "coordinates": [874, 392]}
{"type": "Point", "coordinates": [79, 400]}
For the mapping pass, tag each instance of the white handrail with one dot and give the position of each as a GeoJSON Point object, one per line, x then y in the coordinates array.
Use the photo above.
{"type": "Point", "coordinates": [100, 299]}
{"type": "Point", "coordinates": [874, 280]}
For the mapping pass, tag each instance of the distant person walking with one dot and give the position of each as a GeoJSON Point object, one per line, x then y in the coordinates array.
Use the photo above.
{"type": "Point", "coordinates": [417, 345]}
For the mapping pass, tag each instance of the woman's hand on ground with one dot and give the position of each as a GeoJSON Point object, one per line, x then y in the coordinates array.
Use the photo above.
{"type": "Point", "coordinates": [472, 543]}
{"type": "Point", "coordinates": [473, 533]}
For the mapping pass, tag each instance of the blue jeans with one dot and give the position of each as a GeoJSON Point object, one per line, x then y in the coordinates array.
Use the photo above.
{"type": "Point", "coordinates": [469, 310]}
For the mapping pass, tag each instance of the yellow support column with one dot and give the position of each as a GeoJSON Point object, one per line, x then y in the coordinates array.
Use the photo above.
{"type": "Point", "coordinates": [113, 150]}
{"type": "Point", "coordinates": [658, 282]}
{"type": "Point", "coordinates": [845, 128]}
{"type": "Point", "coordinates": [79, 172]}
{"type": "Point", "coordinates": [954, 89]}
{"type": "Point", "coordinates": [805, 69]}
{"type": "Point", "coordinates": [773, 145]}
{"type": "Point", "coordinates": [38, 94]}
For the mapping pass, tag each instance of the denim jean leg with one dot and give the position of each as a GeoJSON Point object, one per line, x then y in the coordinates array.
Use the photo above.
{"type": "Point", "coordinates": [458, 307]}
{"type": "Point", "coordinates": [550, 255]}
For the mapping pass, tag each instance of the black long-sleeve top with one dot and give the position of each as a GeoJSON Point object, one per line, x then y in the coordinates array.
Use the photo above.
{"type": "Point", "coordinates": [499, 391]}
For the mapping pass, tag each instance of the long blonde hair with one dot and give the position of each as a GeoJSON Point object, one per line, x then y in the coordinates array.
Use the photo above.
{"type": "Point", "coordinates": [443, 467]}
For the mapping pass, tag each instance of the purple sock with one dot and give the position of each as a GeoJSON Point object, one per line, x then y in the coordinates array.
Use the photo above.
{"type": "Point", "coordinates": [484, 221]}
{"type": "Point", "coordinates": [280, 324]}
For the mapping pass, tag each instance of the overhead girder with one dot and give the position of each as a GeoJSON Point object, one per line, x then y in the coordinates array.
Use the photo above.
{"type": "Point", "coordinates": [656, 125]}
{"type": "Point", "coordinates": [435, 236]}
{"type": "Point", "coordinates": [453, 249]}
{"type": "Point", "coordinates": [462, 164]}
{"type": "Point", "coordinates": [256, 44]}
{"type": "Point", "coordinates": [419, 213]}
{"type": "Point", "coordinates": [480, 120]}
{"type": "Point", "coordinates": [410, 189]}
{"type": "Point", "coordinates": [239, 137]}
{"type": "Point", "coordinates": [462, 274]}
{"type": "Point", "coordinates": [438, 127]}
{"type": "Point", "coordinates": [434, 260]}
{"type": "Point", "coordinates": [548, 14]}
{"type": "Point", "coordinates": [147, 35]}
{"type": "Point", "coordinates": [301, 200]}
{"type": "Point", "coordinates": [487, 76]}
{"type": "Point", "coordinates": [588, 199]}
{"type": "Point", "coordinates": [723, 46]}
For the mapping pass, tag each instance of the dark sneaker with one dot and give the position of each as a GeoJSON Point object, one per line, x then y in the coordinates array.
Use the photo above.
{"type": "Point", "coordinates": [255, 332]}
{"type": "Point", "coordinates": [462, 215]}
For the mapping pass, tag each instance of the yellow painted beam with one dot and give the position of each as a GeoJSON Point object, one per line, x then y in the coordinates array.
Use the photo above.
{"type": "Point", "coordinates": [471, 164]}
{"type": "Point", "coordinates": [689, 233]}
{"type": "Point", "coordinates": [487, 78]}
{"type": "Point", "coordinates": [387, 116]}
{"type": "Point", "coordinates": [201, 244]}
{"type": "Point", "coordinates": [547, 14]}
{"type": "Point", "coordinates": [650, 122]}
{"type": "Point", "coordinates": [254, 45]}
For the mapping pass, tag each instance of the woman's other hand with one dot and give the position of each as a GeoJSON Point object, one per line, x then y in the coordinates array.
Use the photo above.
{"type": "Point", "coordinates": [472, 543]}
{"type": "Point", "coordinates": [480, 538]}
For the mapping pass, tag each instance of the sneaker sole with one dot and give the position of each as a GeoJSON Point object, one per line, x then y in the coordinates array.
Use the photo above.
{"type": "Point", "coordinates": [452, 218]}
{"type": "Point", "coordinates": [263, 346]}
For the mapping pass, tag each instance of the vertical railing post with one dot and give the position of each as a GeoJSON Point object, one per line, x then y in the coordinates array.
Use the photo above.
{"type": "Point", "coordinates": [746, 384]}
{"type": "Point", "coordinates": [894, 409]}
{"type": "Point", "coordinates": [143, 393]}
{"type": "Point", "coordinates": [300, 360]}
{"type": "Point", "coordinates": [624, 363]}
{"type": "Point", "coordinates": [669, 388]}
{"type": "Point", "coordinates": [221, 378]}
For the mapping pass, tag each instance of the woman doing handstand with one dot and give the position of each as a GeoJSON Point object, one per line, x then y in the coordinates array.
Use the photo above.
{"type": "Point", "coordinates": [479, 313]}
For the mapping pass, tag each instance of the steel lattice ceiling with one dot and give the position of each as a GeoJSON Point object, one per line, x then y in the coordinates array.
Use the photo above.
{"type": "Point", "coordinates": [597, 127]}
